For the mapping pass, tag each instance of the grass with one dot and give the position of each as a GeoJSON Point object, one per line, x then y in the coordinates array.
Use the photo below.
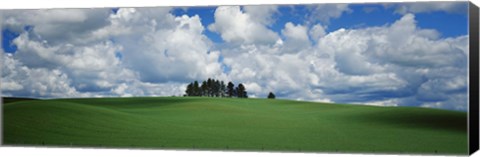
{"type": "Point", "coordinates": [15, 99]}
{"type": "Point", "coordinates": [233, 124]}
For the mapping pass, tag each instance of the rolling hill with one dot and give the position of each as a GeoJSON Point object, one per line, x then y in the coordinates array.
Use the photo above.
{"type": "Point", "coordinates": [232, 124]}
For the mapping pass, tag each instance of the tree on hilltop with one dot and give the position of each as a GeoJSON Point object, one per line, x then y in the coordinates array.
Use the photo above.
{"type": "Point", "coordinates": [271, 95]}
{"type": "Point", "coordinates": [189, 90]}
{"type": "Point", "coordinates": [222, 89]}
{"type": "Point", "coordinates": [241, 92]}
{"type": "Point", "coordinates": [215, 88]}
{"type": "Point", "coordinates": [204, 89]}
{"type": "Point", "coordinates": [230, 89]}
{"type": "Point", "coordinates": [196, 89]}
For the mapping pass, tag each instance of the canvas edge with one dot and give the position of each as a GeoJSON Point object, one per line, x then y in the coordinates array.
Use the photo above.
{"type": "Point", "coordinates": [473, 114]}
{"type": "Point", "coordinates": [1, 95]}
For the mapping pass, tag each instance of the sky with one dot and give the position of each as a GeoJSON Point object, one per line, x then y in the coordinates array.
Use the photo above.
{"type": "Point", "coordinates": [390, 54]}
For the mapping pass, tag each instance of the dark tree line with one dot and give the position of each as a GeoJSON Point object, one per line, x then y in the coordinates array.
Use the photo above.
{"type": "Point", "coordinates": [215, 88]}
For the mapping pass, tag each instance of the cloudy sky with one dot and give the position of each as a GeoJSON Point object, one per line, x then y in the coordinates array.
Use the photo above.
{"type": "Point", "coordinates": [395, 54]}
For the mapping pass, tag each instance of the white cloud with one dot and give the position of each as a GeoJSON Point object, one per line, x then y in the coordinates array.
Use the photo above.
{"type": "Point", "coordinates": [325, 12]}
{"type": "Point", "coordinates": [421, 7]}
{"type": "Point", "coordinates": [169, 48]}
{"type": "Point", "coordinates": [389, 102]}
{"type": "Point", "coordinates": [50, 25]}
{"type": "Point", "coordinates": [390, 65]}
{"type": "Point", "coordinates": [295, 32]}
{"type": "Point", "coordinates": [296, 37]}
{"type": "Point", "coordinates": [20, 80]}
{"type": "Point", "coordinates": [396, 61]}
{"type": "Point", "coordinates": [237, 26]}
{"type": "Point", "coordinates": [262, 13]}
{"type": "Point", "coordinates": [117, 57]}
{"type": "Point", "coordinates": [138, 88]}
{"type": "Point", "coordinates": [316, 32]}
{"type": "Point", "coordinates": [91, 67]}
{"type": "Point", "coordinates": [283, 74]}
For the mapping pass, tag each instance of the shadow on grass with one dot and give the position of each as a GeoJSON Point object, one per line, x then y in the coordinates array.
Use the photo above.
{"type": "Point", "coordinates": [7, 100]}
{"type": "Point", "coordinates": [434, 119]}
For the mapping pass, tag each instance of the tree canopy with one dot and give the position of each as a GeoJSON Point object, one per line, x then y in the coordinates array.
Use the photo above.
{"type": "Point", "coordinates": [216, 88]}
{"type": "Point", "coordinates": [271, 95]}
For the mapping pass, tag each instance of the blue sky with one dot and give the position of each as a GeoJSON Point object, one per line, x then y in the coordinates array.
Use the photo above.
{"type": "Point", "coordinates": [361, 15]}
{"type": "Point", "coordinates": [7, 37]}
{"type": "Point", "coordinates": [393, 54]}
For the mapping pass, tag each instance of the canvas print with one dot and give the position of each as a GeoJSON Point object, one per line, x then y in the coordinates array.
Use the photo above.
{"type": "Point", "coordinates": [348, 77]}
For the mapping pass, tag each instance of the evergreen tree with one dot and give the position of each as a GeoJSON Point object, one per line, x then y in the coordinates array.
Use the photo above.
{"type": "Point", "coordinates": [230, 89]}
{"type": "Point", "coordinates": [222, 89]}
{"type": "Point", "coordinates": [196, 89]}
{"type": "Point", "coordinates": [235, 92]}
{"type": "Point", "coordinates": [216, 88]}
{"type": "Point", "coordinates": [271, 95]}
{"type": "Point", "coordinates": [209, 87]}
{"type": "Point", "coordinates": [189, 90]}
{"type": "Point", "coordinates": [241, 91]}
{"type": "Point", "coordinates": [204, 89]}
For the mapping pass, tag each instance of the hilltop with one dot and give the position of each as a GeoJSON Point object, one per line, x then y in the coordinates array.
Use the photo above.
{"type": "Point", "coordinates": [233, 124]}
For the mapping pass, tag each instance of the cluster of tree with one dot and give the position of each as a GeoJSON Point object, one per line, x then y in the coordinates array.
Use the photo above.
{"type": "Point", "coordinates": [215, 88]}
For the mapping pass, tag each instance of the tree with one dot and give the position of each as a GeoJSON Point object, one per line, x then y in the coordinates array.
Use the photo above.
{"type": "Point", "coordinates": [271, 95]}
{"type": "Point", "coordinates": [222, 89]}
{"type": "Point", "coordinates": [196, 89]}
{"type": "Point", "coordinates": [241, 93]}
{"type": "Point", "coordinates": [209, 88]}
{"type": "Point", "coordinates": [230, 89]}
{"type": "Point", "coordinates": [216, 88]}
{"type": "Point", "coordinates": [189, 90]}
{"type": "Point", "coordinates": [235, 92]}
{"type": "Point", "coordinates": [204, 89]}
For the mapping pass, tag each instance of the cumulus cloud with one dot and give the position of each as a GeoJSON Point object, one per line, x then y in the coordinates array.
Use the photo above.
{"type": "Point", "coordinates": [262, 13]}
{"type": "Point", "coordinates": [50, 24]}
{"type": "Point", "coordinates": [393, 65]}
{"type": "Point", "coordinates": [426, 7]}
{"type": "Point", "coordinates": [138, 88]}
{"type": "Point", "coordinates": [243, 29]}
{"type": "Point", "coordinates": [296, 37]}
{"type": "Point", "coordinates": [20, 80]}
{"type": "Point", "coordinates": [325, 12]}
{"type": "Point", "coordinates": [133, 52]}
{"type": "Point", "coordinates": [169, 48]}
{"type": "Point", "coordinates": [398, 61]}
{"type": "Point", "coordinates": [93, 67]}
{"type": "Point", "coordinates": [317, 31]}
{"type": "Point", "coordinates": [283, 74]}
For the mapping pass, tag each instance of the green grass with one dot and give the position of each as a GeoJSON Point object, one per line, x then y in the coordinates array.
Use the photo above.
{"type": "Point", "coordinates": [233, 124]}
{"type": "Point", "coordinates": [15, 99]}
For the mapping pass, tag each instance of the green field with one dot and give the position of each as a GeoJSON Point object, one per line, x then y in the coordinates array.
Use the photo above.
{"type": "Point", "coordinates": [233, 124]}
